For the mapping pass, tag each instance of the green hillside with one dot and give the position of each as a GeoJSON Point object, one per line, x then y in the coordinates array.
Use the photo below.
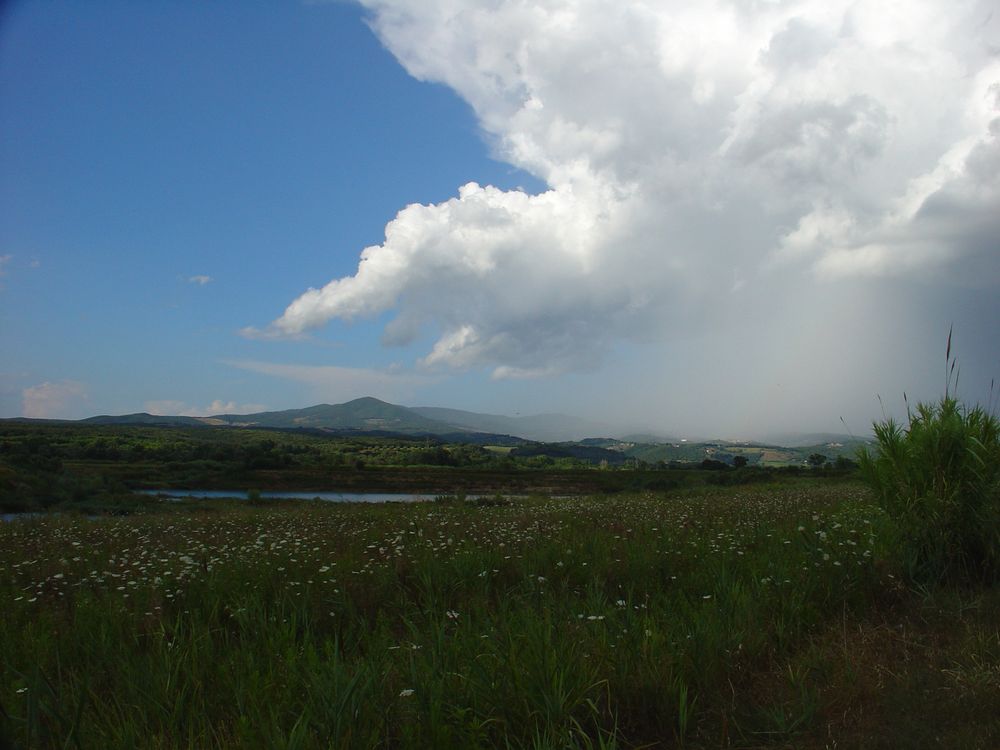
{"type": "Point", "coordinates": [360, 414]}
{"type": "Point", "coordinates": [143, 418]}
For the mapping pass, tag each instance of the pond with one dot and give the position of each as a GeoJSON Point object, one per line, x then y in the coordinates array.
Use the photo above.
{"type": "Point", "coordinates": [332, 497]}
{"type": "Point", "coordinates": [18, 516]}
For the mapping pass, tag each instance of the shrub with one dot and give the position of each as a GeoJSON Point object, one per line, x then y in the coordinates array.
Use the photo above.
{"type": "Point", "coordinates": [939, 479]}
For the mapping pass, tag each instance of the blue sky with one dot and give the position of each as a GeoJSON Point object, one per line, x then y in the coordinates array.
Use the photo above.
{"type": "Point", "coordinates": [752, 238]}
{"type": "Point", "coordinates": [261, 145]}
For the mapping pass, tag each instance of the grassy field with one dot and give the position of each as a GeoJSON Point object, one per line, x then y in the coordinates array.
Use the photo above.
{"type": "Point", "coordinates": [96, 468]}
{"type": "Point", "coordinates": [766, 615]}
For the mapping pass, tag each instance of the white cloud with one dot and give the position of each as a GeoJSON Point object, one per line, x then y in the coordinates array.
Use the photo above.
{"type": "Point", "coordinates": [182, 409]}
{"type": "Point", "coordinates": [200, 279]}
{"type": "Point", "coordinates": [59, 400]}
{"type": "Point", "coordinates": [684, 145]}
{"type": "Point", "coordinates": [338, 384]}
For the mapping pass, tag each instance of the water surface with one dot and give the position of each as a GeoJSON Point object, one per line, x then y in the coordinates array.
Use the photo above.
{"type": "Point", "coordinates": [332, 497]}
{"type": "Point", "coordinates": [18, 516]}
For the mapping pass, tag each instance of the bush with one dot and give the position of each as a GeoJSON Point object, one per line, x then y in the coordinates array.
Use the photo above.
{"type": "Point", "coordinates": [939, 479]}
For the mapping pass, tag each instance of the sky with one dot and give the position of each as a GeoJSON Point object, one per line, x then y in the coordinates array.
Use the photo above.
{"type": "Point", "coordinates": [728, 219]}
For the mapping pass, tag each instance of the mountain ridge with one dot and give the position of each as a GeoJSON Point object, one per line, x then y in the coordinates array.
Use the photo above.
{"type": "Point", "coordinates": [374, 416]}
{"type": "Point", "coordinates": [366, 414]}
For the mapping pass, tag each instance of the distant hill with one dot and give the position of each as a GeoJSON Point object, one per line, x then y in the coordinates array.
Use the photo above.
{"type": "Point", "coordinates": [647, 437]}
{"type": "Point", "coordinates": [542, 427]}
{"type": "Point", "coordinates": [363, 416]}
{"type": "Point", "coordinates": [593, 441]}
{"type": "Point", "coordinates": [143, 418]}
{"type": "Point", "coordinates": [801, 440]}
{"type": "Point", "coordinates": [370, 415]}
{"type": "Point", "coordinates": [360, 414]}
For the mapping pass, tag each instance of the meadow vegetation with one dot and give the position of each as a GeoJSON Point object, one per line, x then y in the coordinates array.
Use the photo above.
{"type": "Point", "coordinates": [95, 468]}
{"type": "Point", "coordinates": [939, 479]}
{"type": "Point", "coordinates": [711, 617]}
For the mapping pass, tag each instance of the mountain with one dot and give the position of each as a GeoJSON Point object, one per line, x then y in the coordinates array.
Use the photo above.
{"type": "Point", "coordinates": [546, 428]}
{"type": "Point", "coordinates": [361, 414]}
{"type": "Point", "coordinates": [651, 437]}
{"type": "Point", "coordinates": [144, 418]}
{"type": "Point", "coordinates": [372, 415]}
{"type": "Point", "coordinates": [800, 440]}
{"type": "Point", "coordinates": [566, 436]}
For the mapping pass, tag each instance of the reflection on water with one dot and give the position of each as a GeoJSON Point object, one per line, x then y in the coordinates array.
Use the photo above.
{"type": "Point", "coordinates": [333, 497]}
{"type": "Point", "coordinates": [18, 516]}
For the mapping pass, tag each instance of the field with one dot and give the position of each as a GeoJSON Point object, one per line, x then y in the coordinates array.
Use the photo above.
{"type": "Point", "coordinates": [95, 468]}
{"type": "Point", "coordinates": [755, 616]}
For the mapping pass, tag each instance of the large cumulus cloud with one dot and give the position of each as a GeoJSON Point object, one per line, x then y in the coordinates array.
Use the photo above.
{"type": "Point", "coordinates": [691, 151]}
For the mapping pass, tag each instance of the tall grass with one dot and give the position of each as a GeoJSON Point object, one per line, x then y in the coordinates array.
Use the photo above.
{"type": "Point", "coordinates": [542, 623]}
{"type": "Point", "coordinates": [938, 478]}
